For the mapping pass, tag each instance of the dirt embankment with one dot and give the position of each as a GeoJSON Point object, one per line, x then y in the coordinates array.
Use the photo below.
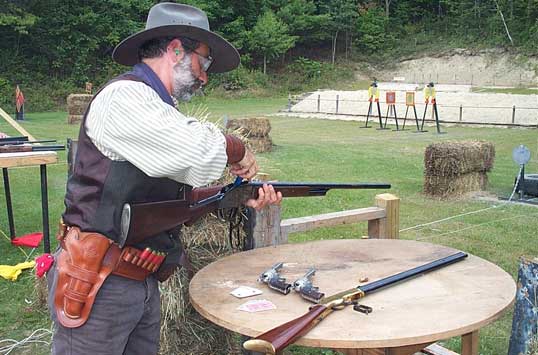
{"type": "Point", "coordinates": [491, 67]}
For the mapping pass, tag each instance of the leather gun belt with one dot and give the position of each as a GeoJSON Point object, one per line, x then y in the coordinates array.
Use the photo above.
{"type": "Point", "coordinates": [84, 263]}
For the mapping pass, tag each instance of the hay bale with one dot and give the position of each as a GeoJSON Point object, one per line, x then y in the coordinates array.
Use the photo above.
{"type": "Point", "coordinates": [260, 144]}
{"type": "Point", "coordinates": [183, 330]}
{"type": "Point", "coordinates": [76, 106]}
{"type": "Point", "coordinates": [452, 169]}
{"type": "Point", "coordinates": [457, 158]}
{"type": "Point", "coordinates": [250, 127]}
{"type": "Point", "coordinates": [454, 186]}
{"type": "Point", "coordinates": [72, 119]}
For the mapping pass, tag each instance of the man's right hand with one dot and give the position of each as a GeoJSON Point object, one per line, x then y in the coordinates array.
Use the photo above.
{"type": "Point", "coordinates": [247, 168]}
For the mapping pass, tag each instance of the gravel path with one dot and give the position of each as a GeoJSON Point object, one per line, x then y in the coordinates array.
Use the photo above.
{"type": "Point", "coordinates": [456, 104]}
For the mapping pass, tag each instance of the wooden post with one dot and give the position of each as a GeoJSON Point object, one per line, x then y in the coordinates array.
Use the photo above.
{"type": "Point", "coordinates": [524, 338]}
{"type": "Point", "coordinates": [389, 226]}
{"type": "Point", "coordinates": [265, 224]}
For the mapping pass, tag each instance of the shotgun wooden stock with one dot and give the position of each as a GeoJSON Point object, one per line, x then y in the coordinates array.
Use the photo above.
{"type": "Point", "coordinates": [144, 220]}
{"type": "Point", "coordinates": [276, 339]}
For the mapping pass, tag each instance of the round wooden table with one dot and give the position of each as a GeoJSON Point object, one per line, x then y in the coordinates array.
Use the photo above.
{"type": "Point", "coordinates": [456, 300]}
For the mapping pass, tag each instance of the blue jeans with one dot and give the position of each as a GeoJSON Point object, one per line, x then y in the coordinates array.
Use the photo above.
{"type": "Point", "coordinates": [125, 319]}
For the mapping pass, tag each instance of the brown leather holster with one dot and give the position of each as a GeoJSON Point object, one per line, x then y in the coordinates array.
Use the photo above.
{"type": "Point", "coordinates": [84, 263]}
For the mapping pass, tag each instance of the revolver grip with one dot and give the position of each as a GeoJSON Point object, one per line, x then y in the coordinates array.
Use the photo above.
{"type": "Point", "coordinates": [280, 285]}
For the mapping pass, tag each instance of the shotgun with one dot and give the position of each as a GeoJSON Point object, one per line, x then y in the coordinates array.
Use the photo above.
{"type": "Point", "coordinates": [140, 221]}
{"type": "Point", "coordinates": [29, 148]}
{"type": "Point", "coordinates": [278, 338]}
{"type": "Point", "coordinates": [15, 142]}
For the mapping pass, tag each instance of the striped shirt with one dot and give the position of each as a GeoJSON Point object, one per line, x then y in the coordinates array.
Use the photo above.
{"type": "Point", "coordinates": [128, 121]}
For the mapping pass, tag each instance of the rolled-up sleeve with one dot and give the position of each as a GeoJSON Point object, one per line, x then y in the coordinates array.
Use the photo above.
{"type": "Point", "coordinates": [139, 127]}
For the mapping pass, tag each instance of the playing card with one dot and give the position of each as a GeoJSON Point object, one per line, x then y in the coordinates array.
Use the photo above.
{"type": "Point", "coordinates": [256, 306]}
{"type": "Point", "coordinates": [245, 291]}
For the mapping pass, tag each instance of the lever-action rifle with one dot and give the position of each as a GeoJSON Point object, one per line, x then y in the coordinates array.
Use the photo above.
{"type": "Point", "coordinates": [278, 338]}
{"type": "Point", "coordinates": [140, 221]}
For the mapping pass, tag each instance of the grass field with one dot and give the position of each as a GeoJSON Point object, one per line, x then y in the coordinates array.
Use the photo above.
{"type": "Point", "coordinates": [324, 151]}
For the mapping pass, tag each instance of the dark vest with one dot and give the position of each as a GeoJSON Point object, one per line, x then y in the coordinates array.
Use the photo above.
{"type": "Point", "coordinates": [99, 187]}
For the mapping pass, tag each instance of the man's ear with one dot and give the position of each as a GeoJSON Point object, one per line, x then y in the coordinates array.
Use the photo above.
{"type": "Point", "coordinates": [175, 50]}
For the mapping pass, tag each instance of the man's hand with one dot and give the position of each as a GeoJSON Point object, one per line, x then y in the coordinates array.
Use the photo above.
{"type": "Point", "coordinates": [3, 135]}
{"type": "Point", "coordinates": [247, 167]}
{"type": "Point", "coordinates": [266, 196]}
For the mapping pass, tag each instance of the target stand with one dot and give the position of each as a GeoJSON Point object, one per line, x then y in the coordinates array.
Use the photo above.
{"type": "Point", "coordinates": [429, 95]}
{"type": "Point", "coordinates": [373, 96]}
{"type": "Point", "coordinates": [410, 102]}
{"type": "Point", "coordinates": [391, 109]}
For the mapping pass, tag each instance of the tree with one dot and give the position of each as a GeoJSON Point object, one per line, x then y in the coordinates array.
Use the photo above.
{"type": "Point", "coordinates": [304, 21]}
{"type": "Point", "coordinates": [269, 38]}
{"type": "Point", "coordinates": [343, 16]}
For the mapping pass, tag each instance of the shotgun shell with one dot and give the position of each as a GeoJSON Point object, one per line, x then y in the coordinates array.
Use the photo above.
{"type": "Point", "coordinates": [148, 260]}
{"type": "Point", "coordinates": [159, 261]}
{"type": "Point", "coordinates": [152, 260]}
{"type": "Point", "coordinates": [128, 257]}
{"type": "Point", "coordinates": [136, 256]}
{"type": "Point", "coordinates": [143, 256]}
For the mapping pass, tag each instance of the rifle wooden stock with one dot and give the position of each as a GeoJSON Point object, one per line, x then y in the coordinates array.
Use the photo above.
{"type": "Point", "coordinates": [276, 339]}
{"type": "Point", "coordinates": [144, 220]}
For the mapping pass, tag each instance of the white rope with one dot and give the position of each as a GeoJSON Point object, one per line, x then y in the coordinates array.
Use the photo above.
{"type": "Point", "coordinates": [469, 213]}
{"type": "Point", "coordinates": [477, 225]}
{"type": "Point", "coordinates": [8, 345]}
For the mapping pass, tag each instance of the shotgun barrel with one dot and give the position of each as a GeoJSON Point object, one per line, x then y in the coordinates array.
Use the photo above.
{"type": "Point", "coordinates": [278, 338]}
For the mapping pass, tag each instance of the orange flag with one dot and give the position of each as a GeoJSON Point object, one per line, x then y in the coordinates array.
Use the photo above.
{"type": "Point", "coordinates": [19, 99]}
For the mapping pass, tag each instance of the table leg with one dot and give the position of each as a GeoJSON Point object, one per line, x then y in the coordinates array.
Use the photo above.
{"type": "Point", "coordinates": [469, 343]}
{"type": "Point", "coordinates": [45, 208]}
{"type": "Point", "coordinates": [7, 191]}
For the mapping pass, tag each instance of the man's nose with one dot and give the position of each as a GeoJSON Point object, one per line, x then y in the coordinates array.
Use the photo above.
{"type": "Point", "coordinates": [203, 77]}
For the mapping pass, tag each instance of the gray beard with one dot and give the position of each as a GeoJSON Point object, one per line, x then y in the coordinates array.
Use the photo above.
{"type": "Point", "coordinates": [185, 83]}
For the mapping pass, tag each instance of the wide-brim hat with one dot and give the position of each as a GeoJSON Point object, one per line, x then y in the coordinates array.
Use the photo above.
{"type": "Point", "coordinates": [175, 20]}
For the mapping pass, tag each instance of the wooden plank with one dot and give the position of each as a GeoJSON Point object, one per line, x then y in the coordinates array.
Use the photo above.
{"type": "Point", "coordinates": [436, 349]}
{"type": "Point", "coordinates": [405, 350]}
{"type": "Point", "coordinates": [15, 125]}
{"type": "Point", "coordinates": [10, 160]}
{"type": "Point", "coordinates": [389, 226]}
{"type": "Point", "coordinates": [302, 224]}
{"type": "Point", "coordinates": [469, 343]}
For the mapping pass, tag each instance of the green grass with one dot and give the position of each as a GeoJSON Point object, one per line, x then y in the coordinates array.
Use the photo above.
{"type": "Point", "coordinates": [516, 91]}
{"type": "Point", "coordinates": [318, 150]}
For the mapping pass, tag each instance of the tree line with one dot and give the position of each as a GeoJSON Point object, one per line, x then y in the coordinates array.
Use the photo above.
{"type": "Point", "coordinates": [71, 40]}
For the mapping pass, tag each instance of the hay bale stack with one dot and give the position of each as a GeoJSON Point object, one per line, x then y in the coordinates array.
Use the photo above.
{"type": "Point", "coordinates": [452, 169]}
{"type": "Point", "coordinates": [76, 106]}
{"type": "Point", "coordinates": [255, 130]}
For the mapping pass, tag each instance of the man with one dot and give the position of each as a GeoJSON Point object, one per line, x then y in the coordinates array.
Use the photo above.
{"type": "Point", "coordinates": [135, 146]}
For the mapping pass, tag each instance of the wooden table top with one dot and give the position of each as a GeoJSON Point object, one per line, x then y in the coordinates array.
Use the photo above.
{"type": "Point", "coordinates": [10, 160]}
{"type": "Point", "coordinates": [451, 301]}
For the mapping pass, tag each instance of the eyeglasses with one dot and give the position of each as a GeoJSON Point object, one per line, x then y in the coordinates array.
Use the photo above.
{"type": "Point", "coordinates": [205, 62]}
